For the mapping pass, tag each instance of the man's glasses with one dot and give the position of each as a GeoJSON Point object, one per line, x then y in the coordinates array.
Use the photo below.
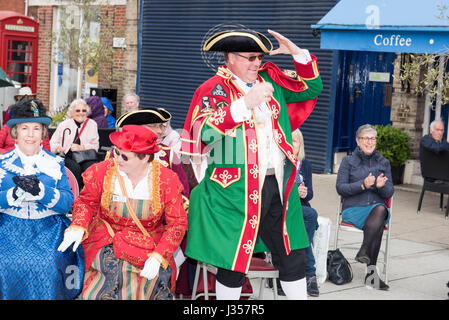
{"type": "Point", "coordinates": [372, 139]}
{"type": "Point", "coordinates": [119, 154]}
{"type": "Point", "coordinates": [251, 58]}
{"type": "Point", "coordinates": [81, 110]}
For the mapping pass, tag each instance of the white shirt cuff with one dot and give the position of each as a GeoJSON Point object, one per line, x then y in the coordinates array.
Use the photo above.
{"type": "Point", "coordinates": [303, 57]}
{"type": "Point", "coordinates": [239, 111]}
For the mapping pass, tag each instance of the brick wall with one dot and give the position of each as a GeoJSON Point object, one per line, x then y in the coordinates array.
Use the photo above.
{"type": "Point", "coordinates": [44, 15]}
{"type": "Point", "coordinates": [13, 5]}
{"type": "Point", "coordinates": [111, 75]}
{"type": "Point", "coordinates": [407, 110]}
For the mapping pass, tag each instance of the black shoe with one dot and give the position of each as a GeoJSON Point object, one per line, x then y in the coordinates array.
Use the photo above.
{"type": "Point", "coordinates": [373, 280]}
{"type": "Point", "coordinates": [312, 286]}
{"type": "Point", "coordinates": [362, 255]}
{"type": "Point", "coordinates": [278, 285]}
{"type": "Point", "coordinates": [280, 291]}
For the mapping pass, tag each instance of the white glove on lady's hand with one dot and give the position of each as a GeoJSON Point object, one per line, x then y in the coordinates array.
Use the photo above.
{"type": "Point", "coordinates": [71, 236]}
{"type": "Point", "coordinates": [150, 269]}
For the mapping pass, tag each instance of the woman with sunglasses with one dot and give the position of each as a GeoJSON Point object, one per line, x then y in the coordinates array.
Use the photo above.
{"type": "Point", "coordinates": [364, 182]}
{"type": "Point", "coordinates": [130, 220]}
{"type": "Point", "coordinates": [76, 133]}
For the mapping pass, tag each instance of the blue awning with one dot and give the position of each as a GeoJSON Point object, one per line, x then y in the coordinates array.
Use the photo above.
{"type": "Point", "coordinates": [413, 26]}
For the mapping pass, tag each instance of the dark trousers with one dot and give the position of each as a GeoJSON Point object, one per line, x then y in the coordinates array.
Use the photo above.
{"type": "Point", "coordinates": [291, 267]}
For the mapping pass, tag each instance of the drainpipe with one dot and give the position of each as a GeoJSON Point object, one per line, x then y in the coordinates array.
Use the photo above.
{"type": "Point", "coordinates": [440, 87]}
{"type": "Point", "coordinates": [26, 7]}
{"type": "Point", "coordinates": [427, 106]}
{"type": "Point", "coordinates": [139, 45]}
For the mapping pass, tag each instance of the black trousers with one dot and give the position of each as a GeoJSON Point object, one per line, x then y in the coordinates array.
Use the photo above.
{"type": "Point", "coordinates": [291, 267]}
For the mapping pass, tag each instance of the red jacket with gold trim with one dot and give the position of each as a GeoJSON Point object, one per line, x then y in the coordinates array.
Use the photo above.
{"type": "Point", "coordinates": [166, 226]}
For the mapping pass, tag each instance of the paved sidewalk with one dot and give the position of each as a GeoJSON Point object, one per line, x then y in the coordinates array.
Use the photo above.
{"type": "Point", "coordinates": [419, 254]}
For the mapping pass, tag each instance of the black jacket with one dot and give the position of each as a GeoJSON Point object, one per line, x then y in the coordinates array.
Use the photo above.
{"type": "Point", "coordinates": [352, 173]}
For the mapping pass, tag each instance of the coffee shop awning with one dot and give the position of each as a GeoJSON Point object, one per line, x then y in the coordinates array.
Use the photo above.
{"type": "Point", "coordinates": [413, 26]}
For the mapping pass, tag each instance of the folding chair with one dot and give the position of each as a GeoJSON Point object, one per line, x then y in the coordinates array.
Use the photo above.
{"type": "Point", "coordinates": [344, 226]}
{"type": "Point", "coordinates": [259, 268]}
{"type": "Point", "coordinates": [72, 181]}
{"type": "Point", "coordinates": [435, 171]}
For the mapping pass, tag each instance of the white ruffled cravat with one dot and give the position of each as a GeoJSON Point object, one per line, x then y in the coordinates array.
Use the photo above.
{"type": "Point", "coordinates": [41, 162]}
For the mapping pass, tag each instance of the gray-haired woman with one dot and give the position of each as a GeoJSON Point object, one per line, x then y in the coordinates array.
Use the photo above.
{"type": "Point", "coordinates": [76, 133]}
{"type": "Point", "coordinates": [364, 182]}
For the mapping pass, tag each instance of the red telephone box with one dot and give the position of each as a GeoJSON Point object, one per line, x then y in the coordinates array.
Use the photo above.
{"type": "Point", "coordinates": [19, 36]}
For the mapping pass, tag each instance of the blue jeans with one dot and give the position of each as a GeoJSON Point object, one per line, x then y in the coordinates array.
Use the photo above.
{"type": "Point", "coordinates": [311, 223]}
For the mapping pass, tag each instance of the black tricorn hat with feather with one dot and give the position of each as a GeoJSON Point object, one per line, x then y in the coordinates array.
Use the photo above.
{"type": "Point", "coordinates": [28, 111]}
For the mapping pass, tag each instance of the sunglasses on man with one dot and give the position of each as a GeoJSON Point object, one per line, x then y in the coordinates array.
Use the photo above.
{"type": "Point", "coordinates": [251, 58]}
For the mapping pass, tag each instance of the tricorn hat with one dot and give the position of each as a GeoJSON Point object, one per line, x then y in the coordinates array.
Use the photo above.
{"type": "Point", "coordinates": [144, 116]}
{"type": "Point", "coordinates": [28, 111]}
{"type": "Point", "coordinates": [241, 40]}
{"type": "Point", "coordinates": [135, 138]}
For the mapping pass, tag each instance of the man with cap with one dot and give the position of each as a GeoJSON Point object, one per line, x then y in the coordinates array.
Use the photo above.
{"type": "Point", "coordinates": [156, 119]}
{"type": "Point", "coordinates": [24, 92]}
{"type": "Point", "coordinates": [247, 201]}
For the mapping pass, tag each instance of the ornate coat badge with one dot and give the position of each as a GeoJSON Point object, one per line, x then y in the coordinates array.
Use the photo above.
{"type": "Point", "coordinates": [219, 91]}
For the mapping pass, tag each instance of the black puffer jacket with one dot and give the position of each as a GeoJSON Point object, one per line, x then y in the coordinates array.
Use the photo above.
{"type": "Point", "coordinates": [353, 171]}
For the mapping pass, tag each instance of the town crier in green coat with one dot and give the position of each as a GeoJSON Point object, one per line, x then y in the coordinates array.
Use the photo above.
{"type": "Point", "coordinates": [248, 201]}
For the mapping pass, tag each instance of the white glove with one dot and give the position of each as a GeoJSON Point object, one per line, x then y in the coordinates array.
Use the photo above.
{"type": "Point", "coordinates": [150, 269]}
{"type": "Point", "coordinates": [72, 236]}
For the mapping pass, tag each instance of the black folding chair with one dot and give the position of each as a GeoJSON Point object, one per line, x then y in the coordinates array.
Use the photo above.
{"type": "Point", "coordinates": [435, 171]}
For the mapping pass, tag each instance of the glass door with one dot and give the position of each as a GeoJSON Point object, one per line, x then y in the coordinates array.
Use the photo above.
{"type": "Point", "coordinates": [19, 62]}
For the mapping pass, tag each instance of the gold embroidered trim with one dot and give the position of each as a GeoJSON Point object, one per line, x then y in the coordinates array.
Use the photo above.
{"type": "Point", "coordinates": [108, 186]}
{"type": "Point", "coordinates": [156, 186]}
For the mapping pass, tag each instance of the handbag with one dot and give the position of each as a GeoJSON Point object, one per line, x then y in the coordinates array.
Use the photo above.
{"type": "Point", "coordinates": [85, 155]}
{"type": "Point", "coordinates": [338, 268]}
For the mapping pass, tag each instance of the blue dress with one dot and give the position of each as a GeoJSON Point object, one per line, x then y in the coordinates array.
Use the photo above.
{"type": "Point", "coordinates": [31, 230]}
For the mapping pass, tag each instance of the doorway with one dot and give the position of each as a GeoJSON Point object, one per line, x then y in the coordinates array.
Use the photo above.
{"type": "Point", "coordinates": [364, 87]}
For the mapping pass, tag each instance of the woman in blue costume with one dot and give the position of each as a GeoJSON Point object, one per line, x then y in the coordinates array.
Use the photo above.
{"type": "Point", "coordinates": [34, 198]}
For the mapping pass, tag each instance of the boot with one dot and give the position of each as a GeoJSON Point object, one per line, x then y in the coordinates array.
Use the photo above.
{"type": "Point", "coordinates": [362, 255]}
{"type": "Point", "coordinates": [372, 279]}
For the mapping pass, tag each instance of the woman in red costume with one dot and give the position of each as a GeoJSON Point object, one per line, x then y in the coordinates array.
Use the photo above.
{"type": "Point", "coordinates": [130, 219]}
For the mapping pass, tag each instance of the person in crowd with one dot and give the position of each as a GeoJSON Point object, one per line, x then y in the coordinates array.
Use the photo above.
{"type": "Point", "coordinates": [305, 189]}
{"type": "Point", "coordinates": [156, 120]}
{"type": "Point", "coordinates": [35, 195]}
{"type": "Point", "coordinates": [77, 133]}
{"type": "Point", "coordinates": [24, 93]}
{"type": "Point", "coordinates": [434, 140]}
{"type": "Point", "coordinates": [97, 111]}
{"type": "Point", "coordinates": [130, 219]}
{"type": "Point", "coordinates": [172, 138]}
{"type": "Point", "coordinates": [108, 109]}
{"type": "Point", "coordinates": [364, 182]}
{"type": "Point", "coordinates": [245, 114]}
{"type": "Point", "coordinates": [130, 102]}
{"type": "Point", "coordinates": [6, 142]}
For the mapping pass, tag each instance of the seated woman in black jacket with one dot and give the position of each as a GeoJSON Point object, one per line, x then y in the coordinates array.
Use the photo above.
{"type": "Point", "coordinates": [364, 182]}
